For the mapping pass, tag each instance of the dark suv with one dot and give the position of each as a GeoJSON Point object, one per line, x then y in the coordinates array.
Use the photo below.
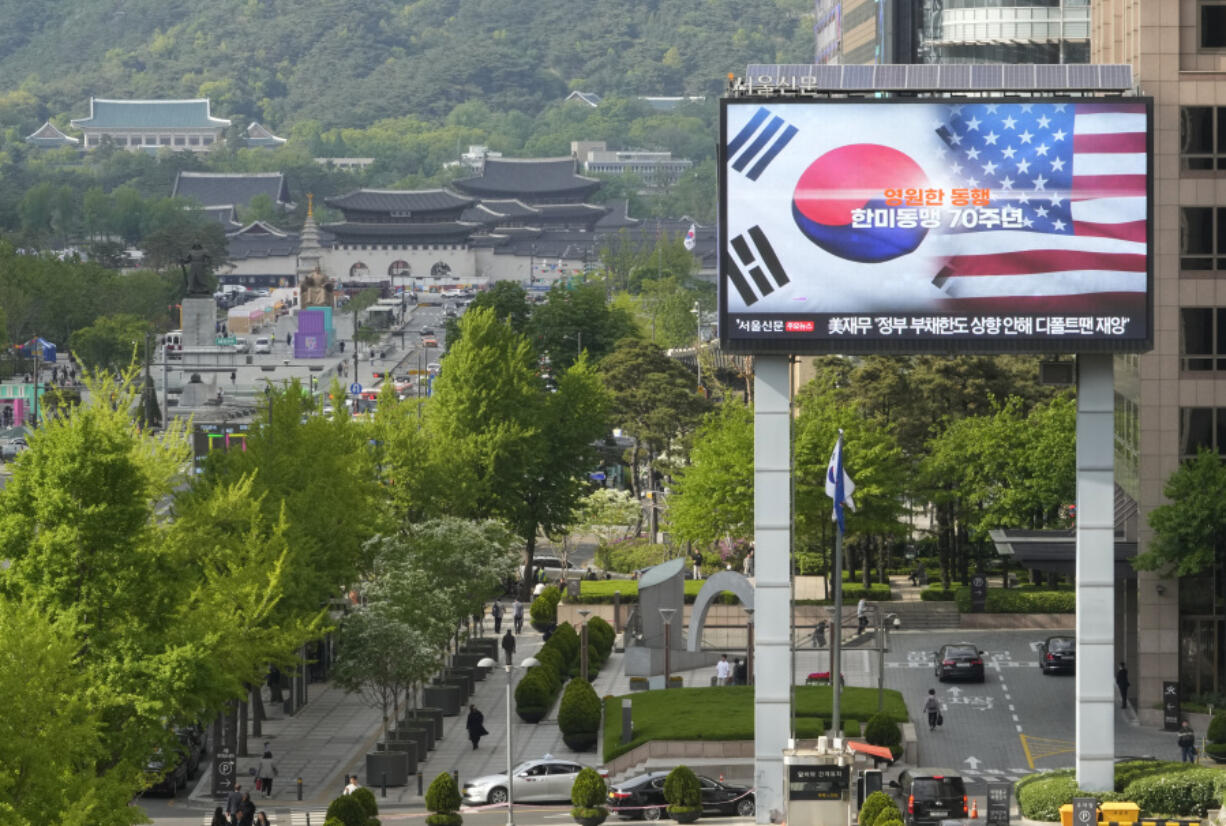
{"type": "Point", "coordinates": [928, 796]}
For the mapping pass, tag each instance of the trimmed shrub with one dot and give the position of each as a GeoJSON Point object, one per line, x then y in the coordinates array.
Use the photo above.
{"type": "Point", "coordinates": [579, 716]}
{"type": "Point", "coordinates": [534, 695]}
{"type": "Point", "coordinates": [881, 730]}
{"type": "Point", "coordinates": [601, 635]}
{"type": "Point", "coordinates": [851, 728]}
{"type": "Point", "coordinates": [553, 662]}
{"type": "Point", "coordinates": [587, 794]}
{"type": "Point", "coordinates": [366, 797]}
{"type": "Point", "coordinates": [1216, 732]}
{"type": "Point", "coordinates": [888, 814]}
{"type": "Point", "coordinates": [443, 800]}
{"type": "Point", "coordinates": [873, 805]}
{"type": "Point", "coordinates": [1126, 773]}
{"type": "Point", "coordinates": [1042, 795]}
{"type": "Point", "coordinates": [1187, 793]}
{"type": "Point", "coordinates": [566, 639]}
{"type": "Point", "coordinates": [935, 593]}
{"type": "Point", "coordinates": [682, 791]}
{"type": "Point", "coordinates": [544, 609]}
{"type": "Point", "coordinates": [351, 812]}
{"type": "Point", "coordinates": [1022, 600]}
{"type": "Point", "coordinates": [890, 821]}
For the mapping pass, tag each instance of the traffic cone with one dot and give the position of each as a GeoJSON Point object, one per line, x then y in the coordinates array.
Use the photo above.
{"type": "Point", "coordinates": [721, 777]}
{"type": "Point", "coordinates": [974, 809]}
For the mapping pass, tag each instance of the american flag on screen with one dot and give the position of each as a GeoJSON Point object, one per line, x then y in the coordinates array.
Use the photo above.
{"type": "Point", "coordinates": [1076, 173]}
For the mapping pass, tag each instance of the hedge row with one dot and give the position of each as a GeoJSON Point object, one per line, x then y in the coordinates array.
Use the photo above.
{"type": "Point", "coordinates": [560, 660]}
{"type": "Point", "coordinates": [600, 592]}
{"type": "Point", "coordinates": [1021, 600]}
{"type": "Point", "coordinates": [1160, 788]}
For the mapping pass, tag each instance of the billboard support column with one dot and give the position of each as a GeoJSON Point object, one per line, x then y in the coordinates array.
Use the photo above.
{"type": "Point", "coordinates": [772, 582]}
{"type": "Point", "coordinates": [1095, 572]}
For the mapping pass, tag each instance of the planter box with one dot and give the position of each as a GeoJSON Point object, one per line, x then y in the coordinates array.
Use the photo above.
{"type": "Point", "coordinates": [485, 646]}
{"type": "Point", "coordinates": [460, 684]}
{"type": "Point", "coordinates": [413, 743]}
{"type": "Point", "coordinates": [428, 716]}
{"type": "Point", "coordinates": [470, 660]}
{"type": "Point", "coordinates": [391, 767]}
{"type": "Point", "coordinates": [415, 730]}
{"type": "Point", "coordinates": [445, 697]}
{"type": "Point", "coordinates": [465, 673]}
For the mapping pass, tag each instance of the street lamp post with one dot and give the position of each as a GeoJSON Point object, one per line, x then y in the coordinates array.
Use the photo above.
{"type": "Point", "coordinates": [583, 612]}
{"type": "Point", "coordinates": [749, 647]}
{"type": "Point", "coordinates": [488, 662]}
{"type": "Point", "coordinates": [667, 615]}
{"type": "Point", "coordinates": [884, 623]}
{"type": "Point", "coordinates": [697, 311]}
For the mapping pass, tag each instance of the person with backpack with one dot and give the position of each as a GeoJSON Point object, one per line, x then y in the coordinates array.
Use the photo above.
{"type": "Point", "coordinates": [932, 707]}
{"type": "Point", "coordinates": [496, 612]}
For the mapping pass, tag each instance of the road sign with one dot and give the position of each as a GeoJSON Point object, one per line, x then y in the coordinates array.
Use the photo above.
{"type": "Point", "coordinates": [225, 762]}
{"type": "Point", "coordinates": [1085, 811]}
{"type": "Point", "coordinates": [999, 795]}
{"type": "Point", "coordinates": [1170, 706]}
{"type": "Point", "coordinates": [225, 341]}
{"type": "Point", "coordinates": [355, 388]}
{"type": "Point", "coordinates": [979, 592]}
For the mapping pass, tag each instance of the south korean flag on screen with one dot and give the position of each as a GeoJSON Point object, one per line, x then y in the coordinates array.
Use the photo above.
{"type": "Point", "coordinates": [934, 206]}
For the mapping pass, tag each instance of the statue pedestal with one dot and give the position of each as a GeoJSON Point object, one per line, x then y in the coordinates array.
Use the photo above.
{"type": "Point", "coordinates": [199, 322]}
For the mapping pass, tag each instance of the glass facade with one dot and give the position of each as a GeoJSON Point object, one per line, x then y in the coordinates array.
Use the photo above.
{"type": "Point", "coordinates": [1005, 31]}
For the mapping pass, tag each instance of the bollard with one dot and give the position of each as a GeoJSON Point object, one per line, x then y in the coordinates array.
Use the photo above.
{"type": "Point", "coordinates": [456, 774]}
{"type": "Point", "coordinates": [300, 792]}
{"type": "Point", "coordinates": [627, 721]}
{"type": "Point", "coordinates": [385, 784]}
{"type": "Point", "coordinates": [420, 775]}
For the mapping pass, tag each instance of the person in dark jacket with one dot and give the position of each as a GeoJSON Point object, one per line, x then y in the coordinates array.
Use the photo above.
{"type": "Point", "coordinates": [475, 726]}
{"type": "Point", "coordinates": [246, 811]}
{"type": "Point", "coordinates": [508, 645]}
{"type": "Point", "coordinates": [1121, 680]}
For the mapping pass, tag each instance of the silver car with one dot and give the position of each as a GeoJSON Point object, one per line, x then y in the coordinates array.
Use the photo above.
{"type": "Point", "coordinates": [539, 780]}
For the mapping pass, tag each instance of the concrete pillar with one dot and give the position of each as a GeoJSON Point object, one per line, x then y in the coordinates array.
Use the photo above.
{"type": "Point", "coordinates": [772, 660]}
{"type": "Point", "coordinates": [1095, 725]}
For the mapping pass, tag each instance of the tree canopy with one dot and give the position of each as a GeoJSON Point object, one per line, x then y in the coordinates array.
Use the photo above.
{"type": "Point", "coordinates": [1190, 529]}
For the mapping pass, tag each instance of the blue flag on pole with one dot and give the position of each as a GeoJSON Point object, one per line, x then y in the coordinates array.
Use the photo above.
{"type": "Point", "coordinates": [839, 486]}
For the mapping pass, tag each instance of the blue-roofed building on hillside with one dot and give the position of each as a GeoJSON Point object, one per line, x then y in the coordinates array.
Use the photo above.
{"type": "Point", "coordinates": [259, 136]}
{"type": "Point", "coordinates": [180, 125]}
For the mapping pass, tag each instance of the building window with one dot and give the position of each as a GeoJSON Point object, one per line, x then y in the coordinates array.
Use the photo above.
{"type": "Point", "coordinates": [193, 140]}
{"type": "Point", "coordinates": [1202, 137]}
{"type": "Point", "coordinates": [1201, 427]}
{"type": "Point", "coordinates": [1202, 338]}
{"type": "Point", "coordinates": [1213, 24]}
{"type": "Point", "coordinates": [180, 140]}
{"type": "Point", "coordinates": [206, 140]}
{"type": "Point", "coordinates": [164, 140]}
{"type": "Point", "coordinates": [1202, 239]}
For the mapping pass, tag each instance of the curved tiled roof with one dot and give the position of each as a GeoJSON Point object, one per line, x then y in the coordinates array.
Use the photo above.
{"type": "Point", "coordinates": [400, 200]}
{"type": "Point", "coordinates": [527, 176]}
{"type": "Point", "coordinates": [238, 188]}
{"type": "Point", "coordinates": [106, 113]}
{"type": "Point", "coordinates": [353, 231]}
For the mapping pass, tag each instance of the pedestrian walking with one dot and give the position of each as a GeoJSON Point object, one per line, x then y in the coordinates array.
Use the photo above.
{"type": "Point", "coordinates": [496, 612]}
{"type": "Point", "coordinates": [862, 615]}
{"type": "Point", "coordinates": [265, 772]}
{"type": "Point", "coordinates": [246, 811]}
{"type": "Point", "coordinates": [479, 620]}
{"type": "Point", "coordinates": [272, 339]}
{"type": "Point", "coordinates": [696, 564]}
{"type": "Point", "coordinates": [517, 614]}
{"type": "Point", "coordinates": [747, 568]}
{"type": "Point", "coordinates": [932, 707]}
{"type": "Point", "coordinates": [289, 339]}
{"type": "Point", "coordinates": [819, 635]}
{"type": "Point", "coordinates": [475, 725]}
{"type": "Point", "coordinates": [723, 671]}
{"type": "Point", "coordinates": [219, 818]}
{"type": "Point", "coordinates": [1121, 680]}
{"type": "Point", "coordinates": [233, 377]}
{"type": "Point", "coordinates": [353, 785]}
{"type": "Point", "coordinates": [234, 800]}
{"type": "Point", "coordinates": [1186, 738]}
{"type": "Point", "coordinates": [508, 645]}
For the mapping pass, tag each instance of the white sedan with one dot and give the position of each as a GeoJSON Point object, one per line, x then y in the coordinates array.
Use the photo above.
{"type": "Point", "coordinates": [540, 780]}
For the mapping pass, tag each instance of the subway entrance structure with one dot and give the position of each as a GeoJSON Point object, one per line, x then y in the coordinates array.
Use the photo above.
{"type": "Point", "coordinates": [935, 209]}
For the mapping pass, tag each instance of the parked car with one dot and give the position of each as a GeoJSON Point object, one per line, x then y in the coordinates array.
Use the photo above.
{"type": "Point", "coordinates": [429, 342]}
{"type": "Point", "coordinates": [263, 344]}
{"type": "Point", "coordinates": [241, 344]}
{"type": "Point", "coordinates": [959, 661]}
{"type": "Point", "coordinates": [1058, 653]}
{"type": "Point", "coordinates": [929, 796]}
{"type": "Point", "coordinates": [552, 566]}
{"type": "Point", "coordinates": [547, 779]}
{"type": "Point", "coordinates": [168, 770]}
{"type": "Point", "coordinates": [427, 331]}
{"type": "Point", "coordinates": [9, 448]}
{"type": "Point", "coordinates": [642, 797]}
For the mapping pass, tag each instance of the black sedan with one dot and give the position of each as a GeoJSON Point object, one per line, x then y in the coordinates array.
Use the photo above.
{"type": "Point", "coordinates": [959, 661]}
{"type": "Point", "coordinates": [643, 797]}
{"type": "Point", "coordinates": [1058, 654]}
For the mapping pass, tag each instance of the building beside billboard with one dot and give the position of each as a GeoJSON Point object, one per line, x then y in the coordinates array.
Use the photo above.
{"type": "Point", "coordinates": [992, 31]}
{"type": "Point", "coordinates": [1171, 401]}
{"type": "Point", "coordinates": [919, 225]}
{"type": "Point", "coordinates": [866, 31]}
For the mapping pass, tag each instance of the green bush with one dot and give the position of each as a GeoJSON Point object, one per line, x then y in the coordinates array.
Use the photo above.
{"type": "Point", "coordinates": [881, 730]}
{"type": "Point", "coordinates": [544, 609]}
{"type": "Point", "coordinates": [579, 715]}
{"type": "Point", "coordinates": [630, 555]}
{"type": "Point", "coordinates": [1126, 773]}
{"type": "Point", "coordinates": [1185, 793]}
{"type": "Point", "coordinates": [534, 695]}
{"type": "Point", "coordinates": [889, 813]}
{"type": "Point", "coordinates": [366, 797]}
{"type": "Point", "coordinates": [888, 821]}
{"type": "Point", "coordinates": [587, 794]}
{"type": "Point", "coordinates": [682, 791]}
{"type": "Point", "coordinates": [1040, 796]}
{"type": "Point", "coordinates": [601, 635]}
{"type": "Point", "coordinates": [851, 728]}
{"type": "Point", "coordinates": [1023, 600]}
{"type": "Point", "coordinates": [935, 593]}
{"type": "Point", "coordinates": [351, 812]}
{"type": "Point", "coordinates": [553, 661]}
{"type": "Point", "coordinates": [443, 800]}
{"type": "Point", "coordinates": [1215, 749]}
{"type": "Point", "coordinates": [873, 805]}
{"type": "Point", "coordinates": [1217, 728]}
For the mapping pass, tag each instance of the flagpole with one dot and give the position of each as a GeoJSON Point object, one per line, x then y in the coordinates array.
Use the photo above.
{"type": "Point", "coordinates": [836, 636]}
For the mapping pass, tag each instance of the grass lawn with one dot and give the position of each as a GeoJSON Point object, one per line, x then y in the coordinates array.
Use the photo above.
{"type": "Point", "coordinates": [726, 713]}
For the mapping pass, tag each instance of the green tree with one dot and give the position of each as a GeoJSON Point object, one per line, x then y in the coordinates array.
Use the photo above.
{"type": "Point", "coordinates": [514, 450]}
{"type": "Point", "coordinates": [111, 342]}
{"type": "Point", "coordinates": [1190, 529]}
{"type": "Point", "coordinates": [575, 320]}
{"type": "Point", "coordinates": [712, 498]}
{"type": "Point", "coordinates": [508, 300]}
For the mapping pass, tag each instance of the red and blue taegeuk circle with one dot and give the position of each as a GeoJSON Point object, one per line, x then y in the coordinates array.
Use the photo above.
{"type": "Point", "coordinates": [856, 176]}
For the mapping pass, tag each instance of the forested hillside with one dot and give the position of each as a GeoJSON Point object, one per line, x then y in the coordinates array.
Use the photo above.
{"type": "Point", "coordinates": [344, 63]}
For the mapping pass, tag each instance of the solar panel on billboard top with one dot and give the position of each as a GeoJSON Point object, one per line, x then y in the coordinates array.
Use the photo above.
{"type": "Point", "coordinates": [912, 225]}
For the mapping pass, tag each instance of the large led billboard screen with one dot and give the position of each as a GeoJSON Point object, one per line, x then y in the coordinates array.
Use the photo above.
{"type": "Point", "coordinates": [907, 225]}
